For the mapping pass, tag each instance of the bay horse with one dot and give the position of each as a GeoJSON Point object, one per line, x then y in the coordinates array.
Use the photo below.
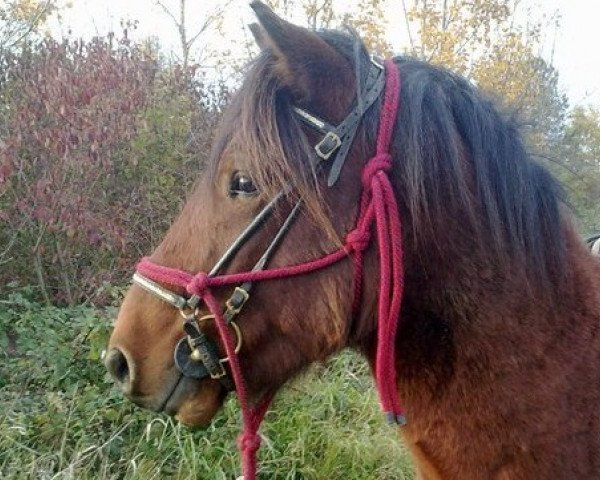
{"type": "Point", "coordinates": [496, 354]}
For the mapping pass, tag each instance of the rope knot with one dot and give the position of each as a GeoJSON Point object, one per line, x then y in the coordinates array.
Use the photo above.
{"type": "Point", "coordinates": [249, 442]}
{"type": "Point", "coordinates": [382, 162]}
{"type": "Point", "coordinates": [358, 240]}
{"type": "Point", "coordinates": [198, 285]}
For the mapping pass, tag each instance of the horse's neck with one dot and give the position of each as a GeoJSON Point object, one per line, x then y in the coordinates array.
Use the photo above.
{"type": "Point", "coordinates": [476, 346]}
{"type": "Point", "coordinates": [460, 303]}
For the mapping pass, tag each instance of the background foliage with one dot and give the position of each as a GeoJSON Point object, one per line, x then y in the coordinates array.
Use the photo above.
{"type": "Point", "coordinates": [62, 418]}
{"type": "Point", "coordinates": [96, 156]}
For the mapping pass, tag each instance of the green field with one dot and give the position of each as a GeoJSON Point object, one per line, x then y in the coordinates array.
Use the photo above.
{"type": "Point", "coordinates": [62, 418]}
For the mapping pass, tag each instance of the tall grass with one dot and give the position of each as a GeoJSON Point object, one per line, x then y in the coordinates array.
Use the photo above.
{"type": "Point", "coordinates": [61, 418]}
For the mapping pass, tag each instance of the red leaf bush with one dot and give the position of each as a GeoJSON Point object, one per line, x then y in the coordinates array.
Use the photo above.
{"type": "Point", "coordinates": [97, 149]}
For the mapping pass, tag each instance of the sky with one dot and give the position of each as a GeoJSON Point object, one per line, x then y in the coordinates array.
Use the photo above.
{"type": "Point", "coordinates": [572, 49]}
{"type": "Point", "coordinates": [576, 54]}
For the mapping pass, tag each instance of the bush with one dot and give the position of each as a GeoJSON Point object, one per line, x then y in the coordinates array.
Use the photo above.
{"type": "Point", "coordinates": [95, 159]}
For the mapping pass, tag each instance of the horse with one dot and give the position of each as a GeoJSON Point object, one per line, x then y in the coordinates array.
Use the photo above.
{"type": "Point", "coordinates": [495, 364]}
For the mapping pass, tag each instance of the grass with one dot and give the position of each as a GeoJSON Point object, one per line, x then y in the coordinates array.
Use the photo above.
{"type": "Point", "coordinates": [61, 418]}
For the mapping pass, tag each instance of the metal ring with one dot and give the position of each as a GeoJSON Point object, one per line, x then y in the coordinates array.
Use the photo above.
{"type": "Point", "coordinates": [238, 346]}
{"type": "Point", "coordinates": [236, 329]}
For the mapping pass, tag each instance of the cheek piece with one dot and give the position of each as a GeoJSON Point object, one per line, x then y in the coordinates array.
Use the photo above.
{"type": "Point", "coordinates": [378, 213]}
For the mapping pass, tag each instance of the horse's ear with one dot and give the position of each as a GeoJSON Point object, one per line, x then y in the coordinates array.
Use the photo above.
{"type": "Point", "coordinates": [304, 61]}
{"type": "Point", "coordinates": [259, 35]}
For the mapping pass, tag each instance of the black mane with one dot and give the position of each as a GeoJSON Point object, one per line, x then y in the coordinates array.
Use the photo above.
{"type": "Point", "coordinates": [456, 152]}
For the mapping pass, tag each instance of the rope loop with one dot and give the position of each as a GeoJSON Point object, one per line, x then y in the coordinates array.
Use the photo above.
{"type": "Point", "coordinates": [357, 240]}
{"type": "Point", "coordinates": [199, 284]}
{"type": "Point", "coordinates": [249, 442]}
{"type": "Point", "coordinates": [382, 162]}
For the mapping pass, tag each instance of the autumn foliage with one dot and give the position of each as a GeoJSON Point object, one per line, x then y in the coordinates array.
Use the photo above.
{"type": "Point", "coordinates": [96, 153]}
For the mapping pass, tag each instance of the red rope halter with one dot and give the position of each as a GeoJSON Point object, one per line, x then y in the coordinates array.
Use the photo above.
{"type": "Point", "coordinates": [378, 207]}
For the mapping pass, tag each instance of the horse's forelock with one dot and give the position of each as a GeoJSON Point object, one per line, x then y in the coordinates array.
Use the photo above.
{"type": "Point", "coordinates": [260, 124]}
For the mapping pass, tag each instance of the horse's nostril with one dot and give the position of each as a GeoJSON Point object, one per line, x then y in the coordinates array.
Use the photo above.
{"type": "Point", "coordinates": [117, 365]}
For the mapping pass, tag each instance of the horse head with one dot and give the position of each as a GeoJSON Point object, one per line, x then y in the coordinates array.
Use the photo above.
{"type": "Point", "coordinates": [263, 150]}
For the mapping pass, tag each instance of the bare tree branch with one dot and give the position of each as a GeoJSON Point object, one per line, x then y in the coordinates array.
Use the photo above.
{"type": "Point", "coordinates": [167, 11]}
{"type": "Point", "coordinates": [9, 43]}
{"type": "Point", "coordinates": [406, 19]}
{"type": "Point", "coordinates": [186, 42]}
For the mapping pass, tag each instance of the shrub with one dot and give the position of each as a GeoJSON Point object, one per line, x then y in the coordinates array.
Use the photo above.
{"type": "Point", "coordinates": [96, 156]}
{"type": "Point", "coordinates": [63, 418]}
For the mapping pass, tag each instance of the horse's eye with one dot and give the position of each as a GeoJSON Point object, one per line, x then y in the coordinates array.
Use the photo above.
{"type": "Point", "coordinates": [241, 184]}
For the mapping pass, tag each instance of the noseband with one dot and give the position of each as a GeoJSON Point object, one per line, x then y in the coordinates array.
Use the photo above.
{"type": "Point", "coordinates": [197, 357]}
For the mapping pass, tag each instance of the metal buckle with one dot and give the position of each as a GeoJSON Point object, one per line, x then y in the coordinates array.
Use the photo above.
{"type": "Point", "coordinates": [232, 309]}
{"type": "Point", "coordinates": [331, 137]}
{"type": "Point", "coordinates": [221, 374]}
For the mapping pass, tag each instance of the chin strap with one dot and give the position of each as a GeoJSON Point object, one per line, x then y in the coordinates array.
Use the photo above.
{"type": "Point", "coordinates": [378, 212]}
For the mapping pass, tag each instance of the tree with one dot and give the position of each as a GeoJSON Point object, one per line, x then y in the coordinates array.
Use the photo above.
{"type": "Point", "coordinates": [482, 40]}
{"type": "Point", "coordinates": [315, 13]}
{"type": "Point", "coordinates": [369, 21]}
{"type": "Point", "coordinates": [580, 166]}
{"type": "Point", "coordinates": [20, 23]}
{"type": "Point", "coordinates": [94, 160]}
{"type": "Point", "coordinates": [180, 20]}
{"type": "Point", "coordinates": [19, 19]}
{"type": "Point", "coordinates": [65, 134]}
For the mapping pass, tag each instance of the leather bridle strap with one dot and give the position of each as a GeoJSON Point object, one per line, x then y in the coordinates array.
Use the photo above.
{"type": "Point", "coordinates": [338, 139]}
{"type": "Point", "coordinates": [242, 293]}
{"type": "Point", "coordinates": [196, 355]}
{"type": "Point", "coordinates": [190, 303]}
{"type": "Point", "coordinates": [257, 222]}
{"type": "Point", "coordinates": [378, 212]}
{"type": "Point", "coordinates": [344, 132]}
